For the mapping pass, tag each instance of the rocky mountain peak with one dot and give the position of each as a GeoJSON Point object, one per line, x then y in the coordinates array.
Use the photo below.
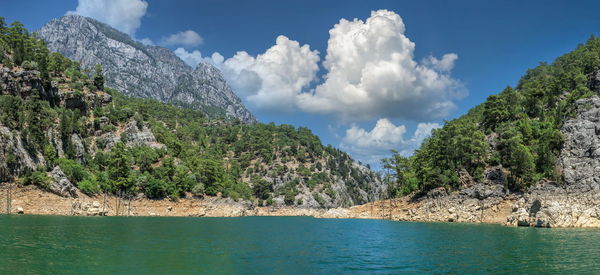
{"type": "Point", "coordinates": [143, 70]}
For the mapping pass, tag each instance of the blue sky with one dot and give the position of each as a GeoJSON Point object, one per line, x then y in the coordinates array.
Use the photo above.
{"type": "Point", "coordinates": [495, 43]}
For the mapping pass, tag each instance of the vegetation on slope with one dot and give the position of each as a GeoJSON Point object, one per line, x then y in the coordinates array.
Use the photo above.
{"type": "Point", "coordinates": [518, 129]}
{"type": "Point", "coordinates": [200, 156]}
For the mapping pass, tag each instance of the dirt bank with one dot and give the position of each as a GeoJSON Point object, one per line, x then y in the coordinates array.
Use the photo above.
{"type": "Point", "coordinates": [32, 200]}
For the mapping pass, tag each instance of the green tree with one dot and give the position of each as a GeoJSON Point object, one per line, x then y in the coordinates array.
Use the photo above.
{"type": "Point", "coordinates": [98, 77]}
{"type": "Point", "coordinates": [119, 167]}
{"type": "Point", "coordinates": [261, 188]}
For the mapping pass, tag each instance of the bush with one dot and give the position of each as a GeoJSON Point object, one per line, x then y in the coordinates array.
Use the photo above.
{"type": "Point", "coordinates": [30, 65]}
{"type": "Point", "coordinates": [269, 201]}
{"type": "Point", "coordinates": [38, 178]}
{"type": "Point", "coordinates": [89, 186]}
{"type": "Point", "coordinates": [261, 189]}
{"type": "Point", "coordinates": [156, 189]}
{"type": "Point", "coordinates": [198, 190]}
{"type": "Point", "coordinates": [319, 199]}
{"type": "Point", "coordinates": [72, 169]}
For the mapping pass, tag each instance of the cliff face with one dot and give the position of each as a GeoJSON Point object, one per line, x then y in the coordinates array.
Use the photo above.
{"type": "Point", "coordinates": [143, 71]}
{"type": "Point", "coordinates": [576, 202]}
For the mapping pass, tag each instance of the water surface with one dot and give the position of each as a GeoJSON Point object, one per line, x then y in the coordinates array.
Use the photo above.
{"type": "Point", "coordinates": [286, 245]}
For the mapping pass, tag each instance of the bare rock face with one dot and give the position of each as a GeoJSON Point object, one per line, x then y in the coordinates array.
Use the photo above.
{"type": "Point", "coordinates": [481, 202]}
{"type": "Point", "coordinates": [14, 156]}
{"type": "Point", "coordinates": [22, 83]}
{"type": "Point", "coordinates": [61, 185]}
{"type": "Point", "coordinates": [140, 135]}
{"type": "Point", "coordinates": [143, 71]}
{"type": "Point", "coordinates": [580, 156]}
{"type": "Point", "coordinates": [133, 135]}
{"type": "Point", "coordinates": [551, 205]}
{"type": "Point", "coordinates": [79, 148]}
{"type": "Point", "coordinates": [28, 84]}
{"type": "Point", "coordinates": [576, 202]}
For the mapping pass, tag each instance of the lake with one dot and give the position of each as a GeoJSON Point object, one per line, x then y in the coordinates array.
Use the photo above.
{"type": "Point", "coordinates": [285, 245]}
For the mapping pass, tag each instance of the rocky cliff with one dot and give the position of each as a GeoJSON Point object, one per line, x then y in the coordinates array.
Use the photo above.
{"type": "Point", "coordinates": [143, 71]}
{"type": "Point", "coordinates": [574, 202]}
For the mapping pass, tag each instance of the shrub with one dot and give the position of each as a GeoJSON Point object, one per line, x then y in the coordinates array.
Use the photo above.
{"type": "Point", "coordinates": [261, 189]}
{"type": "Point", "coordinates": [30, 65]}
{"type": "Point", "coordinates": [72, 169]}
{"type": "Point", "coordinates": [38, 178]}
{"type": "Point", "coordinates": [89, 186]}
{"type": "Point", "coordinates": [198, 190]}
{"type": "Point", "coordinates": [156, 189]}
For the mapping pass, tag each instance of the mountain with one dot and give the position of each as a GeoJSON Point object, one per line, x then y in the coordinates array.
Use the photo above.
{"type": "Point", "coordinates": [535, 145]}
{"type": "Point", "coordinates": [63, 131]}
{"type": "Point", "coordinates": [140, 70]}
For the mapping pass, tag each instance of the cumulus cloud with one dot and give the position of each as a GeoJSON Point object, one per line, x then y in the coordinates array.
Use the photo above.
{"type": "Point", "coordinates": [124, 15]}
{"type": "Point", "coordinates": [271, 80]}
{"type": "Point", "coordinates": [372, 146]}
{"type": "Point", "coordinates": [443, 65]}
{"type": "Point", "coordinates": [371, 73]}
{"type": "Point", "coordinates": [187, 38]}
{"type": "Point", "coordinates": [191, 58]}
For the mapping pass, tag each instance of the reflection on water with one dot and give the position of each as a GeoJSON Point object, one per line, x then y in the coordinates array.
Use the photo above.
{"type": "Point", "coordinates": [34, 244]}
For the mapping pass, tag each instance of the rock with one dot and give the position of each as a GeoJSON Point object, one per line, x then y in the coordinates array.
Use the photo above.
{"type": "Point", "coordinates": [78, 148]}
{"type": "Point", "coordinates": [133, 135]}
{"type": "Point", "coordinates": [437, 193]}
{"type": "Point", "coordinates": [61, 185]}
{"type": "Point", "coordinates": [578, 159]}
{"type": "Point", "coordinates": [576, 202]}
{"type": "Point", "coordinates": [11, 143]}
{"type": "Point", "coordinates": [19, 210]}
{"type": "Point", "coordinates": [22, 83]}
{"type": "Point", "coordinates": [88, 209]}
{"type": "Point", "coordinates": [139, 135]}
{"type": "Point", "coordinates": [594, 81]}
{"type": "Point", "coordinates": [549, 205]}
{"type": "Point", "coordinates": [142, 71]}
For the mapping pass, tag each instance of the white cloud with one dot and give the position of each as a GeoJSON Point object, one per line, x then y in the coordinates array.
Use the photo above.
{"type": "Point", "coordinates": [372, 146]}
{"type": "Point", "coordinates": [444, 65]}
{"type": "Point", "coordinates": [191, 58]}
{"type": "Point", "coordinates": [187, 38]}
{"type": "Point", "coordinates": [371, 72]}
{"type": "Point", "coordinates": [147, 41]}
{"type": "Point", "coordinates": [124, 15]}
{"type": "Point", "coordinates": [271, 80]}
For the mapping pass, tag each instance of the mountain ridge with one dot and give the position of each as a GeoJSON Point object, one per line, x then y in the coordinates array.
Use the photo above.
{"type": "Point", "coordinates": [143, 70]}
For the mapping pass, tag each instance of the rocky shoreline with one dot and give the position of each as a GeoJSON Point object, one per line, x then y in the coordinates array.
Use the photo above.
{"type": "Point", "coordinates": [545, 205]}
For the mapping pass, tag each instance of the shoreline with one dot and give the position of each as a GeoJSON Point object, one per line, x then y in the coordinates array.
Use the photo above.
{"type": "Point", "coordinates": [31, 200]}
{"type": "Point", "coordinates": [542, 206]}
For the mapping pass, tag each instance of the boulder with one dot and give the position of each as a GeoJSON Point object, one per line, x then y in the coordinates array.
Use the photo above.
{"type": "Point", "coordinates": [78, 148]}
{"type": "Point", "coordinates": [61, 184]}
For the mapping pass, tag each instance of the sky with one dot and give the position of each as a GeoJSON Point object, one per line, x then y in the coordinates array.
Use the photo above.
{"type": "Point", "coordinates": [365, 76]}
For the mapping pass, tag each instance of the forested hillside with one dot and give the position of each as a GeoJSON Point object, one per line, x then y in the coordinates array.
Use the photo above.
{"type": "Point", "coordinates": [517, 131]}
{"type": "Point", "coordinates": [56, 118]}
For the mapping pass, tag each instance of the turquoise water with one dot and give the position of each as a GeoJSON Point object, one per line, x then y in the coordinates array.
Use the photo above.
{"type": "Point", "coordinates": [285, 245]}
